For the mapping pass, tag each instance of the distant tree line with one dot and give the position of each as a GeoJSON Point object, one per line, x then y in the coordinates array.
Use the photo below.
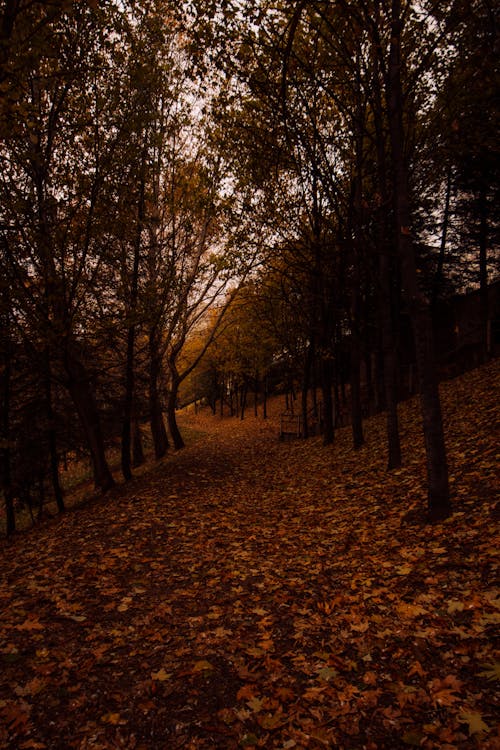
{"type": "Point", "coordinates": [368, 133]}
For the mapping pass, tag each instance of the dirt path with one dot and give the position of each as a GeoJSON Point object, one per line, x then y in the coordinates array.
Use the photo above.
{"type": "Point", "coordinates": [249, 593]}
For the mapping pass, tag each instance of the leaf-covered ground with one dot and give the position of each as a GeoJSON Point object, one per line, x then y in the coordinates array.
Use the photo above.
{"type": "Point", "coordinates": [247, 592]}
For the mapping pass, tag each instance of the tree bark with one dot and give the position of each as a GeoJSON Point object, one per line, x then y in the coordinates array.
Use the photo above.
{"type": "Point", "coordinates": [356, 416]}
{"type": "Point", "coordinates": [137, 449]}
{"type": "Point", "coordinates": [158, 431]}
{"type": "Point", "coordinates": [129, 363]}
{"type": "Point", "coordinates": [418, 305]}
{"type": "Point", "coordinates": [390, 360]}
{"type": "Point", "coordinates": [83, 398]}
{"type": "Point", "coordinates": [306, 383]}
{"type": "Point", "coordinates": [326, 386]}
{"type": "Point", "coordinates": [5, 455]}
{"type": "Point", "coordinates": [171, 417]}
{"type": "Point", "coordinates": [483, 267]}
{"type": "Point", "coordinates": [52, 437]}
{"type": "Point", "coordinates": [438, 277]}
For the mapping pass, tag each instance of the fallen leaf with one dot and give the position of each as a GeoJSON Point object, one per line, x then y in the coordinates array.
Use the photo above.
{"type": "Point", "coordinates": [161, 675]}
{"type": "Point", "coordinates": [474, 722]}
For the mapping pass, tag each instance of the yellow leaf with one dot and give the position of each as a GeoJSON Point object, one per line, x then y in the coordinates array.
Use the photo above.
{"type": "Point", "coordinates": [491, 671]}
{"type": "Point", "coordinates": [255, 704]}
{"type": "Point", "coordinates": [202, 665]}
{"type": "Point", "coordinates": [30, 624]}
{"type": "Point", "coordinates": [410, 610]}
{"type": "Point", "coordinates": [403, 570]}
{"type": "Point", "coordinates": [161, 675]}
{"type": "Point", "coordinates": [110, 718]}
{"type": "Point", "coordinates": [474, 721]}
{"type": "Point", "coordinates": [260, 611]}
{"type": "Point", "coordinates": [361, 627]}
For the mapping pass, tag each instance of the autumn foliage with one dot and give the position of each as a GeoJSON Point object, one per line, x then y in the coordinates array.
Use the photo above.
{"type": "Point", "coordinates": [251, 593]}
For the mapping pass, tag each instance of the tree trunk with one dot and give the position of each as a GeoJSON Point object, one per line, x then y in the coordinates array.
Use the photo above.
{"type": "Point", "coordinates": [158, 431]}
{"type": "Point", "coordinates": [355, 358]}
{"type": "Point", "coordinates": [171, 418]}
{"type": "Point", "coordinates": [83, 397]}
{"type": "Point", "coordinates": [129, 364]}
{"type": "Point", "coordinates": [418, 306]}
{"type": "Point", "coordinates": [356, 230]}
{"type": "Point", "coordinates": [127, 407]}
{"type": "Point", "coordinates": [326, 385]}
{"type": "Point", "coordinates": [438, 277]}
{"type": "Point", "coordinates": [5, 455]}
{"type": "Point", "coordinates": [306, 384]}
{"type": "Point", "coordinates": [243, 400]}
{"type": "Point", "coordinates": [483, 269]}
{"type": "Point", "coordinates": [390, 358]}
{"type": "Point", "coordinates": [52, 437]}
{"type": "Point", "coordinates": [356, 415]}
{"type": "Point", "coordinates": [137, 449]}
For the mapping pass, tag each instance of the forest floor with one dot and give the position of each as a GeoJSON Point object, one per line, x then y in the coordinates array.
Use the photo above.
{"type": "Point", "coordinates": [246, 592]}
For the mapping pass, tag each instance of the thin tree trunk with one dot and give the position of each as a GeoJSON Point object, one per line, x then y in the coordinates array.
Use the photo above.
{"type": "Point", "coordinates": [52, 437]}
{"type": "Point", "coordinates": [438, 278]}
{"type": "Point", "coordinates": [83, 397]}
{"type": "Point", "coordinates": [390, 365]}
{"type": "Point", "coordinates": [326, 385]}
{"type": "Point", "coordinates": [158, 431]}
{"type": "Point", "coordinates": [306, 382]}
{"type": "Point", "coordinates": [171, 418]}
{"type": "Point", "coordinates": [137, 449]}
{"type": "Point", "coordinates": [437, 470]}
{"type": "Point", "coordinates": [243, 400]}
{"type": "Point", "coordinates": [356, 415]}
{"type": "Point", "coordinates": [129, 363]}
{"type": "Point", "coordinates": [483, 269]}
{"type": "Point", "coordinates": [390, 357]}
{"type": "Point", "coordinates": [5, 454]}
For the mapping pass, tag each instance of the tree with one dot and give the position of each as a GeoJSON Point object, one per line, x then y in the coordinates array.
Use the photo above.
{"type": "Point", "coordinates": [54, 166]}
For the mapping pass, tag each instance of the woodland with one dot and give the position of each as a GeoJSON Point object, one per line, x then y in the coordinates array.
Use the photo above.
{"type": "Point", "coordinates": [216, 218]}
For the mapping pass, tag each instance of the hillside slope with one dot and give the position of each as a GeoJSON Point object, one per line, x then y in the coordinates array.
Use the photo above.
{"type": "Point", "coordinates": [246, 592]}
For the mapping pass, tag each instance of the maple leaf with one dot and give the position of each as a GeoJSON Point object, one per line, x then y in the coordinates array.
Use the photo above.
{"type": "Point", "coordinates": [249, 740]}
{"type": "Point", "coordinates": [416, 668]}
{"type": "Point", "coordinates": [255, 704]}
{"type": "Point", "coordinates": [201, 666]}
{"type": "Point", "coordinates": [271, 721]}
{"type": "Point", "coordinates": [30, 623]}
{"type": "Point", "coordinates": [246, 691]}
{"type": "Point", "coordinates": [491, 671]}
{"type": "Point", "coordinates": [111, 718]}
{"type": "Point", "coordinates": [326, 673]}
{"type": "Point", "coordinates": [161, 675]}
{"type": "Point", "coordinates": [410, 611]}
{"type": "Point", "coordinates": [413, 738]}
{"type": "Point", "coordinates": [474, 721]}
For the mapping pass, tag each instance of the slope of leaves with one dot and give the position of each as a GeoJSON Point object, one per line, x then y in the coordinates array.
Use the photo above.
{"type": "Point", "coordinates": [248, 592]}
